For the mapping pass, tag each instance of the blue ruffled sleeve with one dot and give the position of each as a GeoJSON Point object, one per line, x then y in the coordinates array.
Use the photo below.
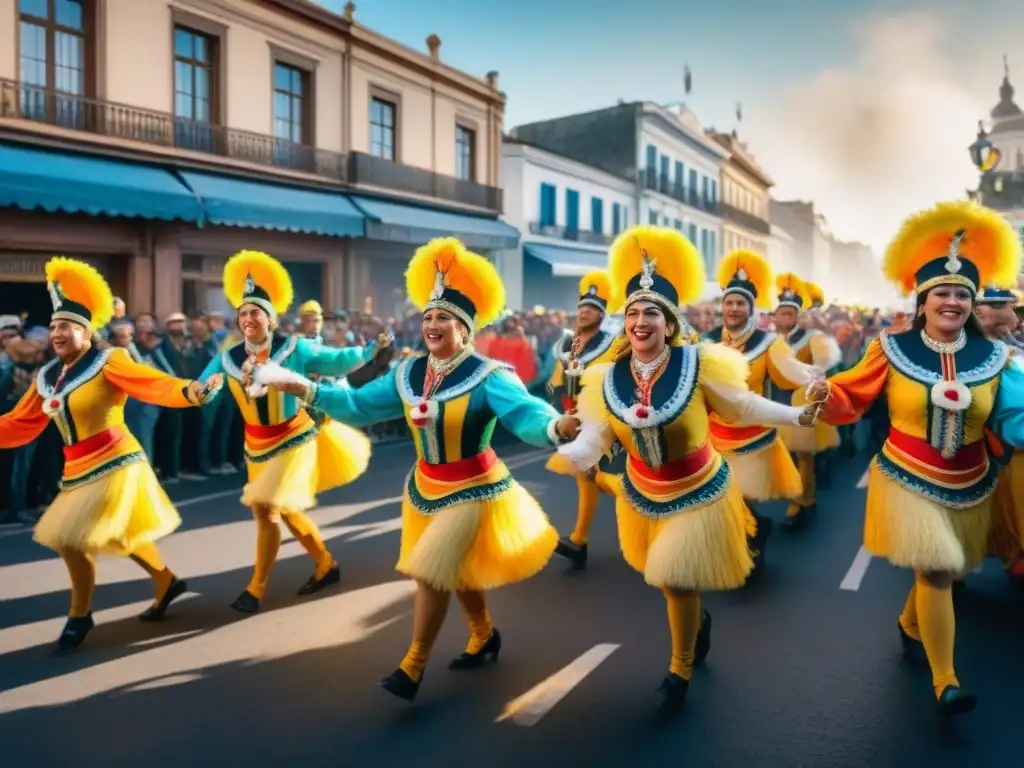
{"type": "Point", "coordinates": [322, 360]}
{"type": "Point", "coordinates": [527, 417]}
{"type": "Point", "coordinates": [1008, 415]}
{"type": "Point", "coordinates": [376, 402]}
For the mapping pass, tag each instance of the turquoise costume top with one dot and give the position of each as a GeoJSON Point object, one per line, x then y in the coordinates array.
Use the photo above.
{"type": "Point", "coordinates": [1007, 418]}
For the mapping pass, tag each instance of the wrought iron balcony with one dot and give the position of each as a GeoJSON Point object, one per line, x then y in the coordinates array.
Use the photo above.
{"type": "Point", "coordinates": [744, 219]}
{"type": "Point", "coordinates": [573, 235]}
{"type": "Point", "coordinates": [656, 181]}
{"type": "Point", "coordinates": [378, 172]}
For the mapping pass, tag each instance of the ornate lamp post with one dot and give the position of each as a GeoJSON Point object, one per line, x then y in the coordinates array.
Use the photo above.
{"type": "Point", "coordinates": [983, 154]}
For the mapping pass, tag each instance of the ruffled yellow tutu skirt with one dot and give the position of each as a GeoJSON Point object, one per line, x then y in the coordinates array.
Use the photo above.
{"type": "Point", "coordinates": [112, 515]}
{"type": "Point", "coordinates": [914, 532]}
{"type": "Point", "coordinates": [1006, 539]}
{"type": "Point", "coordinates": [700, 548]}
{"type": "Point", "coordinates": [766, 475]}
{"type": "Point", "coordinates": [289, 481]}
{"type": "Point", "coordinates": [477, 545]}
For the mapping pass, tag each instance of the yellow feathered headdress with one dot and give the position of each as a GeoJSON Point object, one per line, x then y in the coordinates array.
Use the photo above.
{"type": "Point", "coordinates": [251, 277]}
{"type": "Point", "coordinates": [959, 243]}
{"type": "Point", "coordinates": [444, 274]}
{"type": "Point", "coordinates": [596, 289]}
{"type": "Point", "coordinates": [792, 291]}
{"type": "Point", "coordinates": [748, 274]}
{"type": "Point", "coordinates": [311, 307]}
{"type": "Point", "coordinates": [815, 294]}
{"type": "Point", "coordinates": [655, 264]}
{"type": "Point", "coordinates": [78, 293]}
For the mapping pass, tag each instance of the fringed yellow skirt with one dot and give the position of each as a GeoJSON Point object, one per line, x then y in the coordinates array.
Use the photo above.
{"type": "Point", "coordinates": [700, 548]}
{"type": "Point", "coordinates": [1006, 539]}
{"type": "Point", "coordinates": [914, 532]}
{"type": "Point", "coordinates": [290, 479]}
{"type": "Point", "coordinates": [767, 474]}
{"type": "Point", "coordinates": [111, 515]}
{"type": "Point", "coordinates": [500, 537]}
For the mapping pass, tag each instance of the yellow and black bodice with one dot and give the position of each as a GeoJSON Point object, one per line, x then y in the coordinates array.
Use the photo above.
{"type": "Point", "coordinates": [562, 390]}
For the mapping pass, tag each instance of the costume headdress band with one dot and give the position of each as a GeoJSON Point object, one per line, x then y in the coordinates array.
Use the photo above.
{"type": "Point", "coordinates": [65, 309]}
{"type": "Point", "coordinates": [650, 286]}
{"type": "Point", "coordinates": [952, 269]}
{"type": "Point", "coordinates": [443, 297]}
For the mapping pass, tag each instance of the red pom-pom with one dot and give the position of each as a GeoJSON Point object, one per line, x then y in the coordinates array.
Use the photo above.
{"type": "Point", "coordinates": [952, 394]}
{"type": "Point", "coordinates": [423, 407]}
{"type": "Point", "coordinates": [55, 404]}
{"type": "Point", "coordinates": [641, 413]}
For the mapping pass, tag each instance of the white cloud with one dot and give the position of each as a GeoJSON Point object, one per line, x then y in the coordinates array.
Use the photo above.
{"type": "Point", "coordinates": [873, 143]}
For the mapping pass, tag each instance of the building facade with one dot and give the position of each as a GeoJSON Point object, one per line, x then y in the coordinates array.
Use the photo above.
{"type": "Point", "coordinates": [567, 213]}
{"type": "Point", "coordinates": [663, 151]}
{"type": "Point", "coordinates": [745, 206]}
{"type": "Point", "coordinates": [157, 138]}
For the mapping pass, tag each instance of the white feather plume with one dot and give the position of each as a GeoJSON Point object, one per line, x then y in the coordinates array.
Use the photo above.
{"type": "Point", "coordinates": [271, 374]}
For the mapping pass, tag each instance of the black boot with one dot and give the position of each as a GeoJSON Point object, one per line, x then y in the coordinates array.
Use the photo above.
{"type": "Point", "coordinates": [467, 660]}
{"type": "Point", "coordinates": [401, 685]}
{"type": "Point", "coordinates": [953, 701]}
{"type": "Point", "coordinates": [576, 553]}
{"type": "Point", "coordinates": [156, 611]}
{"type": "Point", "coordinates": [247, 603]}
{"type": "Point", "coordinates": [674, 689]}
{"type": "Point", "coordinates": [798, 522]}
{"type": "Point", "coordinates": [75, 632]}
{"type": "Point", "coordinates": [314, 584]}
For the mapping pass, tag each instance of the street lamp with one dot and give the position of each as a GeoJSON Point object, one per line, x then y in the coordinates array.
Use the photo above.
{"type": "Point", "coordinates": [984, 156]}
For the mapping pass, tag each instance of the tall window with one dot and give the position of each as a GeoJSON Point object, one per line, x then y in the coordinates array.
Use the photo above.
{"type": "Point", "coordinates": [54, 42]}
{"type": "Point", "coordinates": [616, 218]}
{"type": "Point", "coordinates": [548, 205]}
{"type": "Point", "coordinates": [195, 84]}
{"type": "Point", "coordinates": [572, 210]}
{"type": "Point", "coordinates": [465, 153]}
{"type": "Point", "coordinates": [291, 104]}
{"type": "Point", "coordinates": [596, 215]}
{"type": "Point", "coordinates": [382, 128]}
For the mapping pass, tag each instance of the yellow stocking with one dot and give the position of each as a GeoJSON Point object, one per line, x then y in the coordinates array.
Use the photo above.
{"type": "Point", "coordinates": [908, 619]}
{"type": "Point", "coordinates": [938, 630]}
{"type": "Point", "coordinates": [805, 463]}
{"type": "Point", "coordinates": [268, 542]}
{"type": "Point", "coordinates": [589, 496]}
{"type": "Point", "coordinates": [684, 624]}
{"type": "Point", "coordinates": [82, 571]}
{"type": "Point", "coordinates": [474, 606]}
{"type": "Point", "coordinates": [148, 558]}
{"type": "Point", "coordinates": [308, 535]}
{"type": "Point", "coordinates": [427, 620]}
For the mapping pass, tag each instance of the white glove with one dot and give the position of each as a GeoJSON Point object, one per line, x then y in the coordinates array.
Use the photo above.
{"type": "Point", "coordinates": [270, 373]}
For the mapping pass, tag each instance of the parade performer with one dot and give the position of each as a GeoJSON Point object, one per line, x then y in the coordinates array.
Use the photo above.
{"type": "Point", "coordinates": [681, 517]}
{"type": "Point", "coordinates": [467, 526]}
{"type": "Point", "coordinates": [572, 354]}
{"type": "Point", "coordinates": [929, 499]}
{"type": "Point", "coordinates": [110, 501]}
{"type": "Point", "coordinates": [812, 347]}
{"type": "Point", "coordinates": [290, 457]}
{"type": "Point", "coordinates": [764, 468]}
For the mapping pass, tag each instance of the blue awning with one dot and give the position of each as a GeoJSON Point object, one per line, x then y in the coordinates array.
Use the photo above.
{"type": "Point", "coordinates": [403, 223]}
{"type": "Point", "coordinates": [566, 261]}
{"type": "Point", "coordinates": [55, 181]}
{"type": "Point", "coordinates": [258, 205]}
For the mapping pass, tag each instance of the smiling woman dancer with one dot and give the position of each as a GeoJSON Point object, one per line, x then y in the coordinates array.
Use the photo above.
{"type": "Point", "coordinates": [467, 526]}
{"type": "Point", "coordinates": [681, 516]}
{"type": "Point", "coordinates": [929, 501]}
{"type": "Point", "coordinates": [110, 502]}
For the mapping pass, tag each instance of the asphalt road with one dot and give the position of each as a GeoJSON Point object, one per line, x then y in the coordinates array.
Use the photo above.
{"type": "Point", "coordinates": [804, 669]}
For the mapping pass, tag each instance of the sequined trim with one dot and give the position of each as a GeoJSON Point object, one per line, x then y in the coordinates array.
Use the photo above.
{"type": "Point", "coordinates": [713, 490]}
{"type": "Point", "coordinates": [477, 494]}
{"type": "Point", "coordinates": [953, 499]}
{"type": "Point", "coordinates": [95, 474]}
{"type": "Point", "coordinates": [278, 357]}
{"type": "Point", "coordinates": [987, 371]}
{"type": "Point", "coordinates": [288, 444]}
{"type": "Point", "coordinates": [689, 370]}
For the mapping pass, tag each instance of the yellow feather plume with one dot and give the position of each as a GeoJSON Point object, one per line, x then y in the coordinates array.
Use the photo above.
{"type": "Point", "coordinates": [464, 271]}
{"type": "Point", "coordinates": [759, 272]}
{"type": "Point", "coordinates": [267, 273]}
{"type": "Point", "coordinates": [82, 284]}
{"type": "Point", "coordinates": [599, 279]}
{"type": "Point", "coordinates": [676, 259]}
{"type": "Point", "coordinates": [991, 244]}
{"type": "Point", "coordinates": [788, 281]}
{"type": "Point", "coordinates": [814, 293]}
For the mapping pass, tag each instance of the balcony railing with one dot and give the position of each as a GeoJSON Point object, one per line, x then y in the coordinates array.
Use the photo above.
{"type": "Point", "coordinates": [744, 219]}
{"type": "Point", "coordinates": [574, 235]}
{"type": "Point", "coordinates": [121, 121]}
{"type": "Point", "coordinates": [651, 178]}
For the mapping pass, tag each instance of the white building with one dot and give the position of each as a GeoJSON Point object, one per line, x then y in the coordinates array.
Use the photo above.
{"type": "Point", "coordinates": [568, 213]}
{"type": "Point", "coordinates": [782, 252]}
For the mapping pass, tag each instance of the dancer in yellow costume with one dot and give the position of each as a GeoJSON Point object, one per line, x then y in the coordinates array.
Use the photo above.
{"type": "Point", "coordinates": [764, 469]}
{"type": "Point", "coordinates": [590, 345]}
{"type": "Point", "coordinates": [290, 457]}
{"type": "Point", "coordinates": [110, 502]}
{"type": "Point", "coordinates": [814, 348]}
{"type": "Point", "coordinates": [467, 526]}
{"type": "Point", "coordinates": [929, 501]}
{"type": "Point", "coordinates": [682, 520]}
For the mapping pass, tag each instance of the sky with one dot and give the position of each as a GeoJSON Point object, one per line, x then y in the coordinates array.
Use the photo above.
{"type": "Point", "coordinates": [865, 107]}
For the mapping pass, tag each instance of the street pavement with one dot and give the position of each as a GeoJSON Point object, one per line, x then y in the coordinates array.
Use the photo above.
{"type": "Point", "coordinates": [805, 667]}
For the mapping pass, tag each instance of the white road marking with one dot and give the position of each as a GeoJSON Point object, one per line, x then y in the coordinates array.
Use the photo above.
{"type": "Point", "coordinates": [528, 709]}
{"type": "Point", "coordinates": [855, 575]}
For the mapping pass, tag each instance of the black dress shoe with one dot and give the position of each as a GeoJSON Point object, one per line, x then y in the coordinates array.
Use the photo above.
{"type": "Point", "coordinates": [798, 522]}
{"type": "Point", "coordinates": [491, 649]}
{"type": "Point", "coordinates": [401, 685]}
{"type": "Point", "coordinates": [953, 701]}
{"type": "Point", "coordinates": [314, 584]}
{"type": "Point", "coordinates": [703, 644]}
{"type": "Point", "coordinates": [156, 611]}
{"type": "Point", "coordinates": [75, 631]}
{"type": "Point", "coordinates": [247, 603]}
{"type": "Point", "coordinates": [576, 553]}
{"type": "Point", "coordinates": [674, 689]}
{"type": "Point", "coordinates": [913, 650]}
